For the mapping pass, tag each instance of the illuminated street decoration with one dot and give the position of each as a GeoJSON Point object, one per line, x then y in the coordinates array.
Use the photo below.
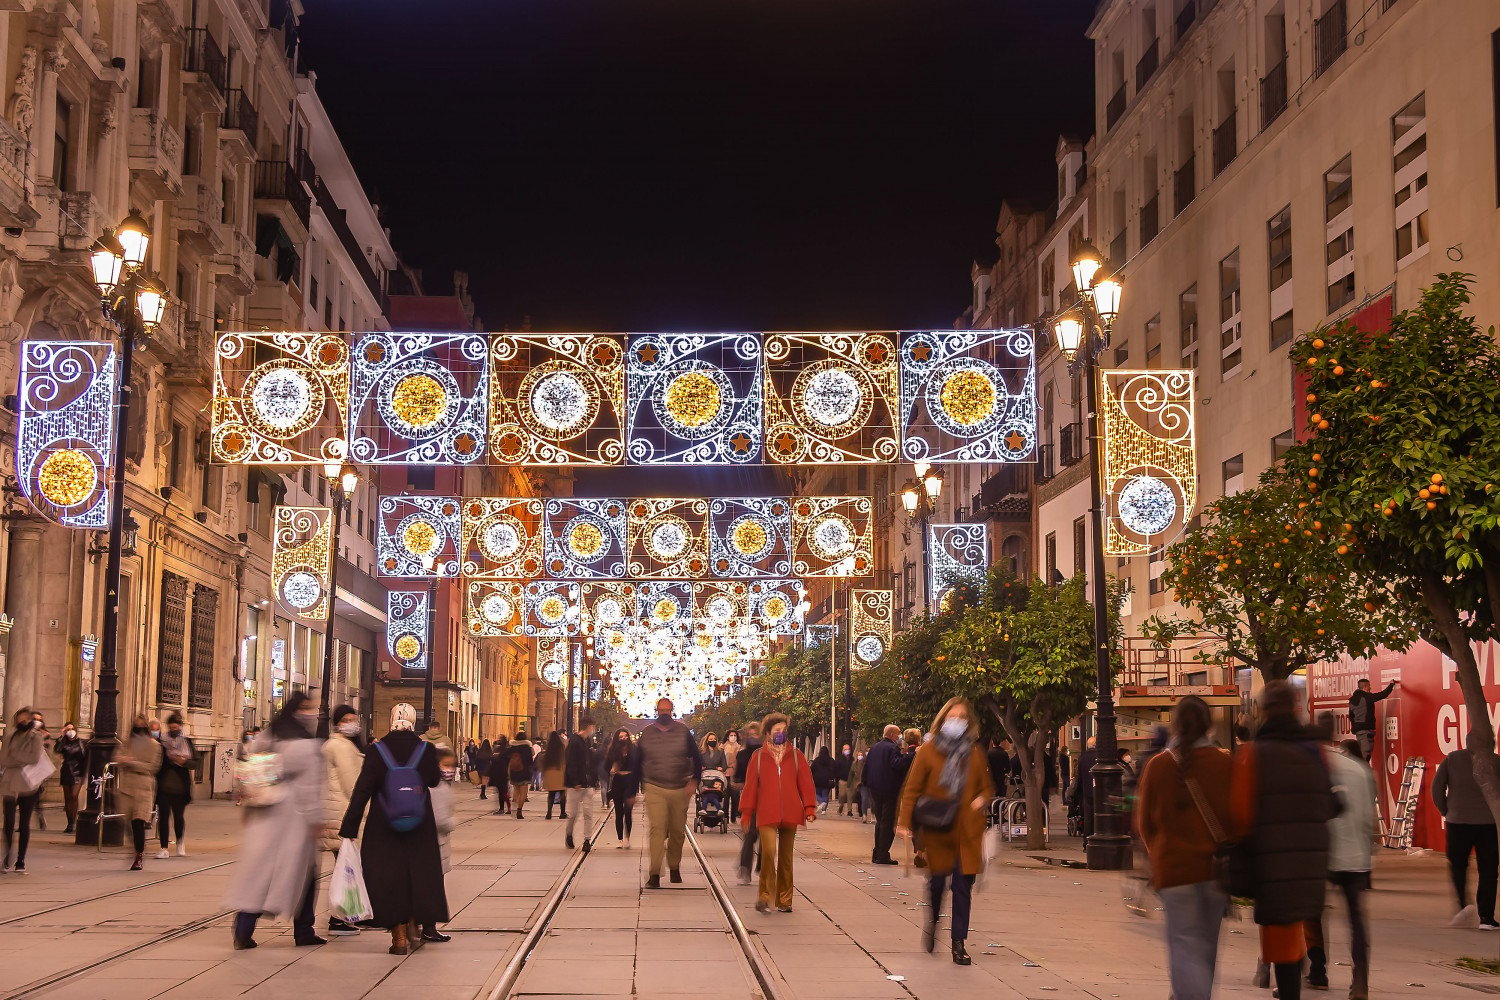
{"type": "Point", "coordinates": [831, 536]}
{"type": "Point", "coordinates": [1150, 469]}
{"type": "Point", "coordinates": [65, 429]}
{"type": "Point", "coordinates": [502, 537]}
{"type": "Point", "coordinates": [280, 398]}
{"type": "Point", "coordinates": [419, 398]}
{"type": "Point", "coordinates": [693, 399]}
{"type": "Point", "coordinates": [750, 537]}
{"type": "Point", "coordinates": [663, 605]}
{"type": "Point", "coordinates": [406, 636]}
{"type": "Point", "coordinates": [411, 527]}
{"type": "Point", "coordinates": [968, 396]}
{"type": "Point", "coordinates": [551, 608]}
{"type": "Point", "coordinates": [301, 560]}
{"type": "Point", "coordinates": [552, 661]}
{"type": "Point", "coordinates": [959, 558]}
{"type": "Point", "coordinates": [668, 538]}
{"type": "Point", "coordinates": [584, 539]}
{"type": "Point", "coordinates": [557, 399]}
{"type": "Point", "coordinates": [774, 606]}
{"type": "Point", "coordinates": [870, 626]}
{"type": "Point", "coordinates": [494, 607]}
{"type": "Point", "coordinates": [817, 635]}
{"type": "Point", "coordinates": [831, 397]}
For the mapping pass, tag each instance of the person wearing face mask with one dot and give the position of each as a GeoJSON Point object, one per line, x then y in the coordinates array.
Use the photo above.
{"type": "Point", "coordinates": [666, 768]}
{"type": "Point", "coordinates": [174, 786]}
{"type": "Point", "coordinates": [732, 747]}
{"type": "Point", "coordinates": [843, 765]}
{"type": "Point", "coordinates": [825, 777]}
{"type": "Point", "coordinates": [277, 874]}
{"type": "Point", "coordinates": [155, 726]}
{"type": "Point", "coordinates": [741, 766]}
{"type": "Point", "coordinates": [137, 764]}
{"type": "Point", "coordinates": [779, 797]}
{"type": "Point", "coordinates": [403, 866]}
{"type": "Point", "coordinates": [617, 765]}
{"type": "Point", "coordinates": [72, 767]}
{"type": "Point", "coordinates": [945, 796]}
{"type": "Point", "coordinates": [713, 754]}
{"type": "Point", "coordinates": [344, 756]}
{"type": "Point", "coordinates": [24, 748]}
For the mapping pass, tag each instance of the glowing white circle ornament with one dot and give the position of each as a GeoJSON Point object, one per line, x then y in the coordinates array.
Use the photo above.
{"type": "Point", "coordinates": [869, 648]}
{"type": "Point", "coordinates": [282, 398]}
{"type": "Point", "coordinates": [301, 590]}
{"type": "Point", "coordinates": [497, 610]}
{"type": "Point", "coordinates": [832, 537]}
{"type": "Point", "coordinates": [561, 402]}
{"type": "Point", "coordinates": [501, 540]}
{"type": "Point", "coordinates": [832, 397]}
{"type": "Point", "coordinates": [1147, 506]}
{"type": "Point", "coordinates": [609, 612]}
{"type": "Point", "coordinates": [668, 538]}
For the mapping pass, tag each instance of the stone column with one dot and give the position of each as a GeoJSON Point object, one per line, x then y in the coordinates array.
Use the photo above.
{"type": "Point", "coordinates": [23, 593]}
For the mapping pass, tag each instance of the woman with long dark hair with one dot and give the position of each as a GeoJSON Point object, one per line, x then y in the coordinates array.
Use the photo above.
{"type": "Point", "coordinates": [554, 768]}
{"type": "Point", "coordinates": [479, 764]}
{"type": "Point", "coordinates": [278, 869]}
{"type": "Point", "coordinates": [944, 799]}
{"type": "Point", "coordinates": [618, 769]}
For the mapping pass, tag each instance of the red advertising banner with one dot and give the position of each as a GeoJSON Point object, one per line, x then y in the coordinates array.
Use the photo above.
{"type": "Point", "coordinates": [1424, 716]}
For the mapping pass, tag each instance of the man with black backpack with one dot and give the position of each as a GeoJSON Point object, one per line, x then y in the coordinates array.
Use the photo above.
{"type": "Point", "coordinates": [581, 778]}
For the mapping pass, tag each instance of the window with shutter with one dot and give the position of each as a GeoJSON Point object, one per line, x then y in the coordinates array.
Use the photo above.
{"type": "Point", "coordinates": [201, 659]}
{"type": "Point", "coordinates": [169, 650]}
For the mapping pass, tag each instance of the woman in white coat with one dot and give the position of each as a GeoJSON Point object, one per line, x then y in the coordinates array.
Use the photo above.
{"type": "Point", "coordinates": [344, 753]}
{"type": "Point", "coordinates": [278, 869]}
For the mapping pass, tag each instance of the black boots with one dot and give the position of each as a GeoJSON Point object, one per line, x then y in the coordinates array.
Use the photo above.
{"type": "Point", "coordinates": [1317, 968]}
{"type": "Point", "coordinates": [960, 956]}
{"type": "Point", "coordinates": [929, 934]}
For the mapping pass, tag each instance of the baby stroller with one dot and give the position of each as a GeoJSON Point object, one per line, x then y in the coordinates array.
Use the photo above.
{"type": "Point", "coordinates": [711, 803]}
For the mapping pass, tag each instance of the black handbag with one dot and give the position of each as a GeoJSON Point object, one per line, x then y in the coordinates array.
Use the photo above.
{"type": "Point", "coordinates": [935, 814]}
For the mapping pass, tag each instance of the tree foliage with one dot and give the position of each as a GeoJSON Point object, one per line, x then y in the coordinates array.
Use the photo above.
{"type": "Point", "coordinates": [1269, 586]}
{"type": "Point", "coordinates": [1402, 466]}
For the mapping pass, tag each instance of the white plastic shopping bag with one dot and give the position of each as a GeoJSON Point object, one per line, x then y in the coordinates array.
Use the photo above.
{"type": "Point", "coordinates": [347, 897]}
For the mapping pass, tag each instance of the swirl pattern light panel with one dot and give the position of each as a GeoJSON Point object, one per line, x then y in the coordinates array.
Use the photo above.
{"type": "Point", "coordinates": [302, 560]}
{"type": "Point", "coordinates": [831, 398]}
{"type": "Point", "coordinates": [413, 526]}
{"type": "Point", "coordinates": [406, 638]}
{"type": "Point", "coordinates": [551, 608]}
{"type": "Point", "coordinates": [968, 396]}
{"type": "Point", "coordinates": [831, 536]}
{"type": "Point", "coordinates": [419, 398]}
{"type": "Point", "coordinates": [667, 538]}
{"type": "Point", "coordinates": [65, 437]}
{"type": "Point", "coordinates": [585, 539]}
{"type": "Point", "coordinates": [750, 537]}
{"type": "Point", "coordinates": [552, 661]}
{"type": "Point", "coordinates": [494, 607]}
{"type": "Point", "coordinates": [1150, 466]}
{"type": "Point", "coordinates": [281, 398]}
{"type": "Point", "coordinates": [693, 399]}
{"type": "Point", "coordinates": [774, 606]}
{"type": "Point", "coordinates": [817, 635]}
{"type": "Point", "coordinates": [557, 399]}
{"type": "Point", "coordinates": [502, 538]}
{"type": "Point", "coordinates": [960, 558]}
{"type": "Point", "coordinates": [871, 626]}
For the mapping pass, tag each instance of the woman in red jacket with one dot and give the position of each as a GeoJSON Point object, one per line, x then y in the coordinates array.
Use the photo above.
{"type": "Point", "coordinates": [778, 798]}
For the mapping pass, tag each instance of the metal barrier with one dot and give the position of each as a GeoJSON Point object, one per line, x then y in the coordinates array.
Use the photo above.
{"type": "Point", "coordinates": [1012, 826]}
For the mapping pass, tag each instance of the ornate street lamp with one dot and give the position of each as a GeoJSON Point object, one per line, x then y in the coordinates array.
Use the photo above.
{"type": "Point", "coordinates": [1082, 335]}
{"type": "Point", "coordinates": [920, 499]}
{"type": "Point", "coordinates": [343, 480]}
{"type": "Point", "coordinates": [133, 303]}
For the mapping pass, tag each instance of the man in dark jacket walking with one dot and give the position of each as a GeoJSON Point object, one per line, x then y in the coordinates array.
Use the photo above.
{"type": "Point", "coordinates": [1362, 714]}
{"type": "Point", "coordinates": [751, 735]}
{"type": "Point", "coordinates": [884, 783]}
{"type": "Point", "coordinates": [1470, 829]}
{"type": "Point", "coordinates": [581, 776]}
{"type": "Point", "coordinates": [666, 769]}
{"type": "Point", "coordinates": [843, 764]}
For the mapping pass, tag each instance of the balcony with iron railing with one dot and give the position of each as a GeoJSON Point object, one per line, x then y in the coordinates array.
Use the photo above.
{"type": "Point", "coordinates": [275, 180]}
{"type": "Point", "coordinates": [1045, 467]}
{"type": "Point", "coordinates": [1184, 185]}
{"type": "Point", "coordinates": [1115, 110]}
{"type": "Point", "coordinates": [1146, 66]}
{"type": "Point", "coordinates": [204, 57]}
{"type": "Point", "coordinates": [1333, 35]}
{"type": "Point", "coordinates": [1273, 93]}
{"type": "Point", "coordinates": [1226, 142]}
{"type": "Point", "coordinates": [1071, 444]}
{"type": "Point", "coordinates": [240, 114]}
{"type": "Point", "coordinates": [339, 220]}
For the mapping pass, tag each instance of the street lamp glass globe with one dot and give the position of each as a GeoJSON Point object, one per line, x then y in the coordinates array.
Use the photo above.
{"type": "Point", "coordinates": [1107, 293]}
{"type": "Point", "coordinates": [134, 238]}
{"type": "Point", "coordinates": [933, 484]}
{"type": "Point", "coordinates": [350, 480]}
{"type": "Point", "coordinates": [429, 562]}
{"type": "Point", "coordinates": [152, 303]}
{"type": "Point", "coordinates": [106, 259]}
{"type": "Point", "coordinates": [921, 468]}
{"type": "Point", "coordinates": [1086, 263]}
{"type": "Point", "coordinates": [1069, 331]}
{"type": "Point", "coordinates": [910, 498]}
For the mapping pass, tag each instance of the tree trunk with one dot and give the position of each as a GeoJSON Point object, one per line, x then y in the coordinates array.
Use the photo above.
{"type": "Point", "coordinates": [1035, 774]}
{"type": "Point", "coordinates": [1481, 736]}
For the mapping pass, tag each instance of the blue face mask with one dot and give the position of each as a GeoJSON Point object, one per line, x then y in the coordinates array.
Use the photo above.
{"type": "Point", "coordinates": [778, 738]}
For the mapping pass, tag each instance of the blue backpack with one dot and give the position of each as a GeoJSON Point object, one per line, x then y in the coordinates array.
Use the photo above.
{"type": "Point", "coordinates": [404, 797]}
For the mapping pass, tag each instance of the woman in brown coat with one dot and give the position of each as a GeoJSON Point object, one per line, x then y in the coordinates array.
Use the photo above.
{"type": "Point", "coordinates": [950, 768]}
{"type": "Point", "coordinates": [137, 763]}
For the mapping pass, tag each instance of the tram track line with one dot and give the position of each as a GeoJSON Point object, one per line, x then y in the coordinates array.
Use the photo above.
{"type": "Point", "coordinates": [113, 892]}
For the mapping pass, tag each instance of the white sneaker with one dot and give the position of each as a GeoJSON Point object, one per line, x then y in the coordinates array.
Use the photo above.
{"type": "Point", "coordinates": [163, 854]}
{"type": "Point", "coordinates": [1465, 917]}
{"type": "Point", "coordinates": [627, 843]}
{"type": "Point", "coordinates": [744, 876]}
{"type": "Point", "coordinates": [181, 849]}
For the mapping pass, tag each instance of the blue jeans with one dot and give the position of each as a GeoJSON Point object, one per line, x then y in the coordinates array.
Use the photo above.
{"type": "Point", "coordinates": [1194, 913]}
{"type": "Point", "coordinates": [822, 796]}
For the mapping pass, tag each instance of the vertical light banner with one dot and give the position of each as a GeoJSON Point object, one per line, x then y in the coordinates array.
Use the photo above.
{"type": "Point", "coordinates": [750, 537]}
{"type": "Point", "coordinates": [585, 539]}
{"type": "Point", "coordinates": [959, 559]}
{"type": "Point", "coordinates": [494, 607]}
{"type": "Point", "coordinates": [281, 398]}
{"type": "Point", "coordinates": [693, 399]}
{"type": "Point", "coordinates": [831, 397]}
{"type": "Point", "coordinates": [1150, 466]}
{"type": "Point", "coordinates": [502, 538]}
{"type": "Point", "coordinates": [870, 626]}
{"type": "Point", "coordinates": [419, 398]}
{"type": "Point", "coordinates": [410, 527]}
{"type": "Point", "coordinates": [831, 536]}
{"type": "Point", "coordinates": [406, 637]}
{"type": "Point", "coordinates": [968, 396]}
{"type": "Point", "coordinates": [557, 399]}
{"type": "Point", "coordinates": [302, 560]}
{"type": "Point", "coordinates": [667, 539]}
{"type": "Point", "coordinates": [552, 660]}
{"type": "Point", "coordinates": [65, 437]}
{"type": "Point", "coordinates": [817, 635]}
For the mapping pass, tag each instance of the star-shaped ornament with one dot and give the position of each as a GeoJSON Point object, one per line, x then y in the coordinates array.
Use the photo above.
{"type": "Point", "coordinates": [1015, 440]}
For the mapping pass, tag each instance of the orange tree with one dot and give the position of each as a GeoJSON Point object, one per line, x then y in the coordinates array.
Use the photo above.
{"type": "Point", "coordinates": [1269, 587]}
{"type": "Point", "coordinates": [903, 688]}
{"type": "Point", "coordinates": [1027, 653]}
{"type": "Point", "coordinates": [1401, 472]}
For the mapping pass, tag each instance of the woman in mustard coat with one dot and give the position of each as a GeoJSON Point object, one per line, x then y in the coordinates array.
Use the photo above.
{"type": "Point", "coordinates": [950, 768]}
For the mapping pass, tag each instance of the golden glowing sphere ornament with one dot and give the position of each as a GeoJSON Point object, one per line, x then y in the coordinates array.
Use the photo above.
{"type": "Point", "coordinates": [968, 397]}
{"type": "Point", "coordinates": [67, 478]}
{"type": "Point", "coordinates": [420, 538]}
{"type": "Point", "coordinates": [408, 648]}
{"type": "Point", "coordinates": [693, 399]}
{"type": "Point", "coordinates": [585, 540]}
{"type": "Point", "coordinates": [420, 401]}
{"type": "Point", "coordinates": [749, 537]}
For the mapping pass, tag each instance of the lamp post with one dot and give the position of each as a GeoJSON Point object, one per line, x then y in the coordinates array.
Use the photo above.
{"type": "Point", "coordinates": [1082, 335]}
{"type": "Point", "coordinates": [133, 302]}
{"type": "Point", "coordinates": [343, 480]}
{"type": "Point", "coordinates": [920, 498]}
{"type": "Point", "coordinates": [429, 566]}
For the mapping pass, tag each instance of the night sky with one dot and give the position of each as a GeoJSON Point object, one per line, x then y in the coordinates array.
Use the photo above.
{"type": "Point", "coordinates": [680, 164]}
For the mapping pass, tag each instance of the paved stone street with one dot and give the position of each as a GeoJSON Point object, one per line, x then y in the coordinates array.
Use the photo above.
{"type": "Point", "coordinates": [80, 926]}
